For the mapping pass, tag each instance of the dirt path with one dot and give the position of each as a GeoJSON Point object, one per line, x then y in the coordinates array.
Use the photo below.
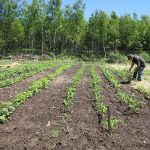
{"type": "Point", "coordinates": [133, 132]}
{"type": "Point", "coordinates": [82, 131]}
{"type": "Point", "coordinates": [36, 115]}
{"type": "Point", "coordinates": [8, 93]}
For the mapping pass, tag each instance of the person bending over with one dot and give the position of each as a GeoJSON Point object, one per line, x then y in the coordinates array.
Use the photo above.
{"type": "Point", "coordinates": [137, 60]}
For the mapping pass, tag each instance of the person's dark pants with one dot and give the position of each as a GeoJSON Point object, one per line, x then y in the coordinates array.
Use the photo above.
{"type": "Point", "coordinates": [139, 72]}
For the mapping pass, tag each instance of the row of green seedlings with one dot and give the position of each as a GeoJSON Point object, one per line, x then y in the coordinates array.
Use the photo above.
{"type": "Point", "coordinates": [31, 90]}
{"type": "Point", "coordinates": [123, 74]}
{"type": "Point", "coordinates": [126, 75]}
{"type": "Point", "coordinates": [68, 102]}
{"type": "Point", "coordinates": [13, 72]}
{"type": "Point", "coordinates": [37, 69]}
{"type": "Point", "coordinates": [100, 106]}
{"type": "Point", "coordinates": [132, 101]}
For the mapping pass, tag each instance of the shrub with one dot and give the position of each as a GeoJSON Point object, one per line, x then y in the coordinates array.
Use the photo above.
{"type": "Point", "coordinates": [145, 56]}
{"type": "Point", "coordinates": [116, 57]}
{"type": "Point", "coordinates": [51, 55]}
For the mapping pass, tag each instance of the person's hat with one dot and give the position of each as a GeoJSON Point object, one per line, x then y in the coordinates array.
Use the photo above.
{"type": "Point", "coordinates": [130, 56]}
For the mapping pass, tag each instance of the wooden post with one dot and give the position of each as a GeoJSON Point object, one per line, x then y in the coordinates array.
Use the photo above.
{"type": "Point", "coordinates": [25, 147]}
{"type": "Point", "coordinates": [108, 116]}
{"type": "Point", "coordinates": [148, 103]}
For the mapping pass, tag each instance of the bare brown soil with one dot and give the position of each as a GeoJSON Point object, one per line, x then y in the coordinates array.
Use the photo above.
{"type": "Point", "coordinates": [132, 133]}
{"type": "Point", "coordinates": [32, 118]}
{"type": "Point", "coordinates": [39, 123]}
{"type": "Point", "coordinates": [82, 131]}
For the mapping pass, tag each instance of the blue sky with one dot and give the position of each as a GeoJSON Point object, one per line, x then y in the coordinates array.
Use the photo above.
{"type": "Point", "coordinates": [140, 7]}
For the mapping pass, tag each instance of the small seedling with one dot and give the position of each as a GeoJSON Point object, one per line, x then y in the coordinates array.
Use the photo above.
{"type": "Point", "coordinates": [53, 134]}
{"type": "Point", "coordinates": [113, 122]}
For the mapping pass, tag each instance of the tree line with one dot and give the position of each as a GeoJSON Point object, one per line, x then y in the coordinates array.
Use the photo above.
{"type": "Point", "coordinates": [43, 27]}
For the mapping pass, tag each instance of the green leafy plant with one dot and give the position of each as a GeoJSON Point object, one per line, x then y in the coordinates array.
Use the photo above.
{"type": "Point", "coordinates": [113, 122]}
{"type": "Point", "coordinates": [72, 88]}
{"type": "Point", "coordinates": [95, 80]}
{"type": "Point", "coordinates": [132, 101]}
{"type": "Point", "coordinates": [102, 109]}
{"type": "Point", "coordinates": [53, 134]}
{"type": "Point", "coordinates": [34, 88]}
{"type": "Point", "coordinates": [26, 74]}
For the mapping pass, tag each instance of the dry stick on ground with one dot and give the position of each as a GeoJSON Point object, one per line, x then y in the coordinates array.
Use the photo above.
{"type": "Point", "coordinates": [108, 116]}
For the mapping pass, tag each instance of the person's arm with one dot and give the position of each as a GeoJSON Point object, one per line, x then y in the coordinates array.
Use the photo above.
{"type": "Point", "coordinates": [131, 66]}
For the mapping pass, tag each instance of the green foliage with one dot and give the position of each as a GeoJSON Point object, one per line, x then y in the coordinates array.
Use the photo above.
{"type": "Point", "coordinates": [145, 56]}
{"type": "Point", "coordinates": [132, 102]}
{"type": "Point", "coordinates": [100, 106]}
{"type": "Point", "coordinates": [34, 88]}
{"type": "Point", "coordinates": [19, 74]}
{"type": "Point", "coordinates": [123, 74]}
{"type": "Point", "coordinates": [53, 134]}
{"type": "Point", "coordinates": [110, 77]}
{"type": "Point", "coordinates": [51, 54]}
{"type": "Point", "coordinates": [72, 88]}
{"type": "Point", "coordinates": [45, 27]}
{"type": "Point", "coordinates": [17, 33]}
{"type": "Point", "coordinates": [116, 57]}
{"type": "Point", "coordinates": [113, 122]}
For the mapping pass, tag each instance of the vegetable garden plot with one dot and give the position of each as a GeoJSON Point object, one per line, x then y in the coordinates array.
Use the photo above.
{"type": "Point", "coordinates": [13, 72]}
{"type": "Point", "coordinates": [140, 87]}
{"type": "Point", "coordinates": [125, 135]}
{"type": "Point", "coordinates": [7, 93]}
{"type": "Point", "coordinates": [40, 123]}
{"type": "Point", "coordinates": [36, 113]}
{"type": "Point", "coordinates": [101, 107]}
{"type": "Point", "coordinates": [30, 91]}
{"type": "Point", "coordinates": [131, 100]}
{"type": "Point", "coordinates": [28, 73]}
{"type": "Point", "coordinates": [140, 90]}
{"type": "Point", "coordinates": [82, 130]}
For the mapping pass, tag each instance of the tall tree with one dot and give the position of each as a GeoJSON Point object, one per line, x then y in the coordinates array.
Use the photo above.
{"type": "Point", "coordinates": [125, 31]}
{"type": "Point", "coordinates": [8, 15]}
{"type": "Point", "coordinates": [103, 32]}
{"type": "Point", "coordinates": [31, 23]}
{"type": "Point", "coordinates": [17, 34]}
{"type": "Point", "coordinates": [54, 12]}
{"type": "Point", "coordinates": [114, 31]}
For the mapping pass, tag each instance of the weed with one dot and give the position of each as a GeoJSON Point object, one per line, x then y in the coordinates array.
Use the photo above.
{"type": "Point", "coordinates": [53, 134]}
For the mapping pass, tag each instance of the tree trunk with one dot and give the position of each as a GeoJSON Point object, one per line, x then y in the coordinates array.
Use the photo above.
{"type": "Point", "coordinates": [54, 42]}
{"type": "Point", "coordinates": [62, 46]}
{"type": "Point", "coordinates": [92, 47]}
{"type": "Point", "coordinates": [42, 38]}
{"type": "Point", "coordinates": [50, 43]}
{"type": "Point", "coordinates": [104, 49]}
